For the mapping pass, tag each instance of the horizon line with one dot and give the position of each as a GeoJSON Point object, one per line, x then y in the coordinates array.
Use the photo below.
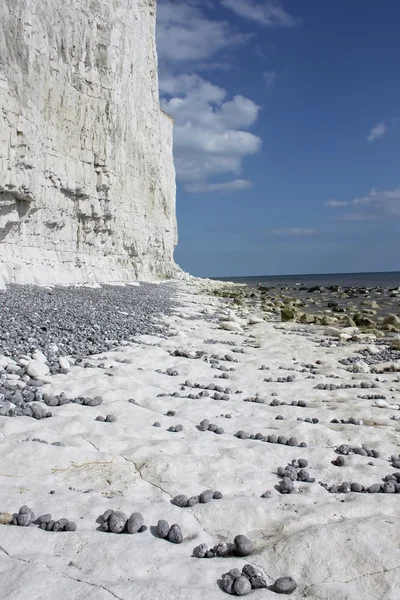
{"type": "Point", "coordinates": [307, 274]}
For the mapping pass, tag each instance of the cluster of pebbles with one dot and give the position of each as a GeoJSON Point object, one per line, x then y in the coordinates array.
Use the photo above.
{"type": "Point", "coordinates": [294, 471]}
{"type": "Point", "coordinates": [183, 501]}
{"type": "Point", "coordinates": [205, 425]}
{"type": "Point", "coordinates": [345, 386]}
{"type": "Point", "coordinates": [362, 450]}
{"type": "Point", "coordinates": [349, 421]}
{"type": "Point", "coordinates": [106, 419]}
{"type": "Point", "coordinates": [172, 534]}
{"type": "Point", "coordinates": [241, 546]}
{"type": "Point", "coordinates": [26, 517]}
{"type": "Point", "coordinates": [240, 583]}
{"type": "Point", "coordinates": [116, 521]}
{"type": "Point", "coordinates": [390, 485]}
{"type": "Point", "coordinates": [79, 321]}
{"type": "Point", "coordinates": [271, 439]}
{"type": "Point", "coordinates": [372, 358]}
{"type": "Point", "coordinates": [32, 402]}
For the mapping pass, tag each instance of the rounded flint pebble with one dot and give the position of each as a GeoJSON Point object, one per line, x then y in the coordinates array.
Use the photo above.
{"type": "Point", "coordinates": [175, 534]}
{"type": "Point", "coordinates": [206, 496]}
{"type": "Point", "coordinates": [242, 586]}
{"type": "Point", "coordinates": [181, 500]}
{"type": "Point", "coordinates": [162, 528]}
{"type": "Point", "coordinates": [134, 523]}
{"type": "Point", "coordinates": [117, 521]}
{"type": "Point", "coordinates": [284, 585]}
{"type": "Point", "coordinates": [243, 545]}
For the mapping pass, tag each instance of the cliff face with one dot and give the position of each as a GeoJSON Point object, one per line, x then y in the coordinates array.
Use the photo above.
{"type": "Point", "coordinates": [87, 181]}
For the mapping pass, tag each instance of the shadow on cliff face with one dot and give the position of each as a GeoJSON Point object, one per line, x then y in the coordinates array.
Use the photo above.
{"type": "Point", "coordinates": [13, 209]}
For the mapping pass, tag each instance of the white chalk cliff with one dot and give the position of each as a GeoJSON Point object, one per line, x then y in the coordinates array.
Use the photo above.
{"type": "Point", "coordinates": [87, 180]}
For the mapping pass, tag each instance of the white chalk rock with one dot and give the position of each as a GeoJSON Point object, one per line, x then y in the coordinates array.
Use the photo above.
{"type": "Point", "coordinates": [239, 321]}
{"type": "Point", "coordinates": [345, 337]}
{"type": "Point", "coordinates": [254, 320]}
{"type": "Point", "coordinates": [373, 349]}
{"type": "Point", "coordinates": [230, 326]}
{"type": "Point", "coordinates": [361, 367]}
{"type": "Point", "coordinates": [23, 362]}
{"type": "Point", "coordinates": [37, 355]}
{"type": "Point", "coordinates": [381, 403]}
{"type": "Point", "coordinates": [64, 363]}
{"type": "Point", "coordinates": [37, 369]}
{"type": "Point", "coordinates": [332, 331]}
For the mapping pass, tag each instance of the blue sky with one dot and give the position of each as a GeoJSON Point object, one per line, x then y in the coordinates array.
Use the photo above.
{"type": "Point", "coordinates": [287, 134]}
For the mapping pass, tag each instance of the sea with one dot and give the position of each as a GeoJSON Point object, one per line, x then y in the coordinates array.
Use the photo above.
{"type": "Point", "coordinates": [382, 279]}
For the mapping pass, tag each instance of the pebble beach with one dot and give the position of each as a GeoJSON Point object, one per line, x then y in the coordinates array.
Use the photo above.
{"type": "Point", "coordinates": [195, 438]}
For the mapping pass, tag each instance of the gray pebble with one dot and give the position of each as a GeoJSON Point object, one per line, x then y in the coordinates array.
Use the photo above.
{"type": "Point", "coordinates": [117, 521]}
{"type": "Point", "coordinates": [70, 526]}
{"type": "Point", "coordinates": [257, 578]}
{"type": "Point", "coordinates": [24, 519]}
{"type": "Point", "coordinates": [162, 528]}
{"type": "Point", "coordinates": [243, 545]}
{"type": "Point", "coordinates": [222, 550]}
{"type": "Point", "coordinates": [181, 500]}
{"type": "Point", "coordinates": [388, 488]}
{"type": "Point", "coordinates": [175, 534]}
{"type": "Point", "coordinates": [285, 585]}
{"type": "Point", "coordinates": [204, 425]}
{"type": "Point", "coordinates": [242, 586]}
{"type": "Point", "coordinates": [200, 551]}
{"type": "Point", "coordinates": [374, 488]}
{"type": "Point", "coordinates": [286, 485]}
{"type": "Point", "coordinates": [356, 487]}
{"type": "Point", "coordinates": [105, 516]}
{"type": "Point", "coordinates": [206, 496]}
{"type": "Point", "coordinates": [234, 573]}
{"type": "Point", "coordinates": [134, 523]}
{"type": "Point", "coordinates": [227, 583]}
{"type": "Point", "coordinates": [193, 500]}
{"type": "Point", "coordinates": [44, 518]}
{"type": "Point", "coordinates": [217, 495]}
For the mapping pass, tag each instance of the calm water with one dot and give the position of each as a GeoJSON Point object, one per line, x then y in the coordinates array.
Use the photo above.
{"type": "Point", "coordinates": [391, 279]}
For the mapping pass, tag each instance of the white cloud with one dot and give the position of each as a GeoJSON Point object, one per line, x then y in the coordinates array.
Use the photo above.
{"type": "Point", "coordinates": [237, 185]}
{"type": "Point", "coordinates": [269, 14]}
{"type": "Point", "coordinates": [209, 136]}
{"type": "Point", "coordinates": [335, 203]}
{"type": "Point", "coordinates": [269, 79]}
{"type": "Point", "coordinates": [377, 132]}
{"type": "Point", "coordinates": [292, 231]}
{"type": "Point", "coordinates": [211, 133]}
{"type": "Point", "coordinates": [357, 216]}
{"type": "Point", "coordinates": [185, 33]}
{"type": "Point", "coordinates": [378, 203]}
